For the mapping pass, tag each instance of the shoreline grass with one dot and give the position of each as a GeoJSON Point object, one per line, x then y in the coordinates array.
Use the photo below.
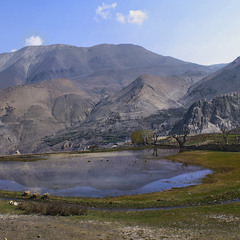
{"type": "Point", "coordinates": [222, 185]}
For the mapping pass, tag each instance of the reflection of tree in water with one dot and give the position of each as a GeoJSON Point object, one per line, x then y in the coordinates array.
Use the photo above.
{"type": "Point", "coordinates": [184, 165]}
{"type": "Point", "coordinates": [155, 152]}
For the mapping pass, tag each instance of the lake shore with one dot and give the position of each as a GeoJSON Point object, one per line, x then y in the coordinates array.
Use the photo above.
{"type": "Point", "coordinates": [202, 221]}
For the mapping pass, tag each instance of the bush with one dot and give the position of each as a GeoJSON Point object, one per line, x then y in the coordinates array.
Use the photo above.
{"type": "Point", "coordinates": [52, 208]}
{"type": "Point", "coordinates": [137, 137]}
{"type": "Point", "coordinates": [142, 136]}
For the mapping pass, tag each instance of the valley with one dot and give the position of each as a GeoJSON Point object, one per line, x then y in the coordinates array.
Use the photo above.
{"type": "Point", "coordinates": [61, 98]}
{"type": "Point", "coordinates": [120, 120]}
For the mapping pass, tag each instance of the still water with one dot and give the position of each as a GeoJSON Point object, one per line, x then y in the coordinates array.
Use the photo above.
{"type": "Point", "coordinates": [100, 174]}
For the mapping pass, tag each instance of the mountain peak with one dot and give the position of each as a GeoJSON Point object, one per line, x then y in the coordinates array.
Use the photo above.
{"type": "Point", "coordinates": [122, 62]}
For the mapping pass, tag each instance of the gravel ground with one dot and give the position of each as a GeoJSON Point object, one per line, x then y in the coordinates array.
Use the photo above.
{"type": "Point", "coordinates": [23, 227]}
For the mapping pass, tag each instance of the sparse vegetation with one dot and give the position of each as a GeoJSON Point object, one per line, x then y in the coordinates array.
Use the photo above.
{"type": "Point", "coordinates": [142, 137]}
{"type": "Point", "coordinates": [202, 139]}
{"type": "Point", "coordinates": [52, 208]}
{"type": "Point", "coordinates": [137, 137]}
{"type": "Point", "coordinates": [181, 139]}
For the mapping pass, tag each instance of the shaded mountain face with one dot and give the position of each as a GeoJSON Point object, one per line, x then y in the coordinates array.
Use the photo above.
{"type": "Point", "coordinates": [100, 70]}
{"type": "Point", "coordinates": [207, 117]}
{"type": "Point", "coordinates": [30, 112]}
{"type": "Point", "coordinates": [224, 81]}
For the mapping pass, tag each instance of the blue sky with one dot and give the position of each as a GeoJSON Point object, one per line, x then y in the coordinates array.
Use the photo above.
{"type": "Point", "coordinates": [201, 31]}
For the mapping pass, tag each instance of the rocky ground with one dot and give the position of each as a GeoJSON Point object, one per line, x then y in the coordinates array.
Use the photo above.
{"type": "Point", "coordinates": [19, 227]}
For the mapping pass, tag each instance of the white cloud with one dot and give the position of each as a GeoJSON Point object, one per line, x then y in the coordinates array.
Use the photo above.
{"type": "Point", "coordinates": [13, 50]}
{"type": "Point", "coordinates": [33, 41]}
{"type": "Point", "coordinates": [120, 17]}
{"type": "Point", "coordinates": [137, 17]}
{"type": "Point", "coordinates": [104, 10]}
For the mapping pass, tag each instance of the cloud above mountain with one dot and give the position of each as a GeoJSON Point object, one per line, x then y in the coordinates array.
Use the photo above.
{"type": "Point", "coordinates": [133, 17]}
{"type": "Point", "coordinates": [104, 11]}
{"type": "Point", "coordinates": [137, 17]}
{"type": "Point", "coordinates": [120, 17]}
{"type": "Point", "coordinates": [33, 41]}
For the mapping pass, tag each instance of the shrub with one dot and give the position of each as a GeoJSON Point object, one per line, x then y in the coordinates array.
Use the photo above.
{"type": "Point", "coordinates": [137, 137]}
{"type": "Point", "coordinates": [142, 136]}
{"type": "Point", "coordinates": [52, 208]}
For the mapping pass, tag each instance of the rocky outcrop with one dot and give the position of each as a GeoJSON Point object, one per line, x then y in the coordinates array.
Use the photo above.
{"type": "Point", "coordinates": [210, 116]}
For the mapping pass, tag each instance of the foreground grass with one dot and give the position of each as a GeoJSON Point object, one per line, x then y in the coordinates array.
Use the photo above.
{"type": "Point", "coordinates": [202, 222]}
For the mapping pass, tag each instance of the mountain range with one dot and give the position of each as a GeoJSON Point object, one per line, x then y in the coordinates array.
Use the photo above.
{"type": "Point", "coordinates": [103, 69]}
{"type": "Point", "coordinates": [65, 97]}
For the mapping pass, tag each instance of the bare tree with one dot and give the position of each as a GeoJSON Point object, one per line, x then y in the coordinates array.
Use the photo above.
{"type": "Point", "coordinates": [181, 139]}
{"type": "Point", "coordinates": [147, 136]}
{"type": "Point", "coordinates": [155, 152]}
{"type": "Point", "coordinates": [225, 134]}
{"type": "Point", "coordinates": [155, 137]}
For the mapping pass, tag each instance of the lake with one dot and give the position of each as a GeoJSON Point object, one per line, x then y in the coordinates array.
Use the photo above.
{"type": "Point", "coordinates": [100, 174]}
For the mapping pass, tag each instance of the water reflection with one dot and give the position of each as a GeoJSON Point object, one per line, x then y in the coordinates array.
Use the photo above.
{"type": "Point", "coordinates": [99, 174]}
{"type": "Point", "coordinates": [155, 152]}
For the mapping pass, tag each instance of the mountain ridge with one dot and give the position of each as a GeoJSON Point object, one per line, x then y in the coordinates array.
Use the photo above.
{"type": "Point", "coordinates": [36, 63]}
{"type": "Point", "coordinates": [224, 81]}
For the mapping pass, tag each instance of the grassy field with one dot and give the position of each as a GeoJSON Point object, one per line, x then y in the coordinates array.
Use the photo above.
{"type": "Point", "coordinates": [201, 139]}
{"type": "Point", "coordinates": [199, 218]}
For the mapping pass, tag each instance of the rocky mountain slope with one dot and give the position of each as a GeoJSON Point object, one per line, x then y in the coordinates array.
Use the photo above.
{"type": "Point", "coordinates": [30, 112]}
{"type": "Point", "coordinates": [210, 116]}
{"type": "Point", "coordinates": [144, 96]}
{"type": "Point", "coordinates": [224, 81]}
{"type": "Point", "coordinates": [149, 102]}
